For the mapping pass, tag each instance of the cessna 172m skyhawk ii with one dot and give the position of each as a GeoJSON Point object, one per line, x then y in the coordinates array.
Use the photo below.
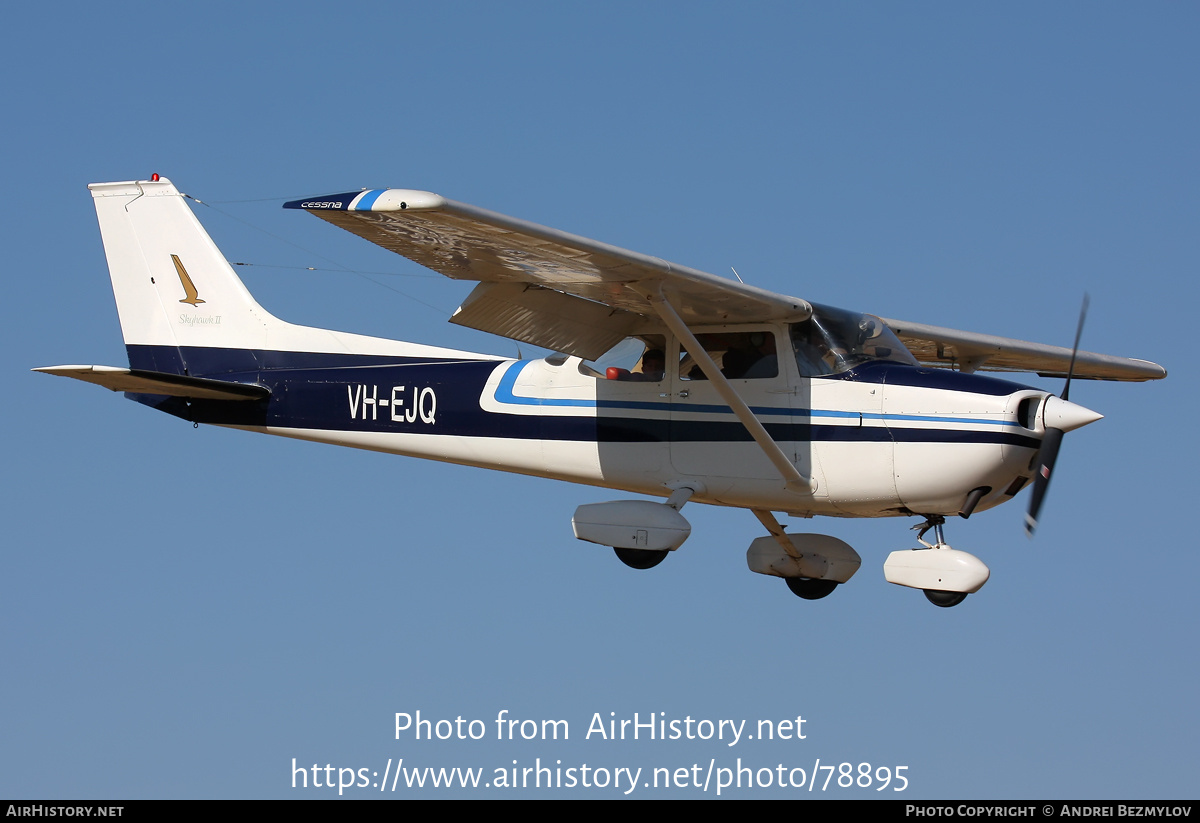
{"type": "Point", "coordinates": [728, 394]}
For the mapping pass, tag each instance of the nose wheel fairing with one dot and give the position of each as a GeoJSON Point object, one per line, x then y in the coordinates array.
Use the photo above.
{"type": "Point", "coordinates": [945, 574]}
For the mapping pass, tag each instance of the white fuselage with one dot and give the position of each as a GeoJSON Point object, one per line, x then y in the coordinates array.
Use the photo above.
{"type": "Point", "coordinates": [887, 441]}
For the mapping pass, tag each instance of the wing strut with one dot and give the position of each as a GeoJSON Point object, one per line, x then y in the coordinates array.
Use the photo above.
{"type": "Point", "coordinates": [793, 479]}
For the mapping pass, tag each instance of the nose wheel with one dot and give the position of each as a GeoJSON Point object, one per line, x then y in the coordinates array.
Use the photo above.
{"type": "Point", "coordinates": [944, 599]}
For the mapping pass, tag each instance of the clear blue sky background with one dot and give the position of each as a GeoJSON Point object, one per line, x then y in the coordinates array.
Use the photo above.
{"type": "Point", "coordinates": [185, 611]}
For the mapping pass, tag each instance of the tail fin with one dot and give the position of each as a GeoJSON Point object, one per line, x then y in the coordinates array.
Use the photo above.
{"type": "Point", "coordinates": [183, 309]}
{"type": "Point", "coordinates": [174, 288]}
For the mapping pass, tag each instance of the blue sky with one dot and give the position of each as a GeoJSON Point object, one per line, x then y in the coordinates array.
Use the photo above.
{"type": "Point", "coordinates": [189, 610]}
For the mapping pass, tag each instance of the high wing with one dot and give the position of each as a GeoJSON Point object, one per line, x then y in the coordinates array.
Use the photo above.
{"type": "Point", "coordinates": [580, 296]}
{"type": "Point", "coordinates": [969, 351]}
{"type": "Point", "coordinates": [540, 285]}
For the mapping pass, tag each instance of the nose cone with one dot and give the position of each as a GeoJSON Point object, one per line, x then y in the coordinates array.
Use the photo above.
{"type": "Point", "coordinates": [1065, 415]}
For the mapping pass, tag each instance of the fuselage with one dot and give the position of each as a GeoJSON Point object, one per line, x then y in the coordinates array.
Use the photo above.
{"type": "Point", "coordinates": [881, 438]}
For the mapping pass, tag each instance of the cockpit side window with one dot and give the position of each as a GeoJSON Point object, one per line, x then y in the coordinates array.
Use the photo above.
{"type": "Point", "coordinates": [640, 359]}
{"type": "Point", "coordinates": [745, 355]}
{"type": "Point", "coordinates": [813, 355]}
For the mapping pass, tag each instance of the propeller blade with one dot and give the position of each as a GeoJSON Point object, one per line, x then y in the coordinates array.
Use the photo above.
{"type": "Point", "coordinates": [1041, 480]}
{"type": "Point", "coordinates": [1052, 440]}
{"type": "Point", "coordinates": [1075, 349]}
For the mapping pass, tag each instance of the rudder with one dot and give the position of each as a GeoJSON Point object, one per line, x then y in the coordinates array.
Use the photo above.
{"type": "Point", "coordinates": [183, 309]}
{"type": "Point", "coordinates": [173, 287]}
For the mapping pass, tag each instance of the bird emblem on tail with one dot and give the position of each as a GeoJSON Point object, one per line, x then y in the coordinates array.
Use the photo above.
{"type": "Point", "coordinates": [189, 288]}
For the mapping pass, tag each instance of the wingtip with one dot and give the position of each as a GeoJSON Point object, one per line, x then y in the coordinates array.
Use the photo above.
{"type": "Point", "coordinates": [371, 200]}
{"type": "Point", "coordinates": [338, 202]}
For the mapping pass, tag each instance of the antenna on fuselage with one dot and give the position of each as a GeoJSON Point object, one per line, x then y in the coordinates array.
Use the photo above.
{"type": "Point", "coordinates": [738, 276]}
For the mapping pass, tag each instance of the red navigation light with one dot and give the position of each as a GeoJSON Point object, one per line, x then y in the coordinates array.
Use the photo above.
{"type": "Point", "coordinates": [154, 177]}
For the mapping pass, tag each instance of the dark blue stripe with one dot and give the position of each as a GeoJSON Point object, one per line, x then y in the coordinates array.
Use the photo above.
{"type": "Point", "coordinates": [314, 391]}
{"type": "Point", "coordinates": [900, 374]}
{"type": "Point", "coordinates": [324, 202]}
{"type": "Point", "coordinates": [205, 361]}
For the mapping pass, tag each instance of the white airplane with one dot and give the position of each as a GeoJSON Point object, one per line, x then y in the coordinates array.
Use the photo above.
{"type": "Point", "coordinates": [718, 392]}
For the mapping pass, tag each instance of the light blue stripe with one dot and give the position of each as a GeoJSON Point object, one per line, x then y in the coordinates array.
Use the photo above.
{"type": "Point", "coordinates": [504, 391]}
{"type": "Point", "coordinates": [504, 394]}
{"type": "Point", "coordinates": [368, 199]}
{"type": "Point", "coordinates": [920, 418]}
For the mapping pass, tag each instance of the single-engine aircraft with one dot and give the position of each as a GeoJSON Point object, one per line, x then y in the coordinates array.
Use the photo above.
{"type": "Point", "coordinates": [718, 392]}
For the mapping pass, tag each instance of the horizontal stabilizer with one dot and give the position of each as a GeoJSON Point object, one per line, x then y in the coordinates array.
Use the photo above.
{"type": "Point", "coordinates": [137, 381]}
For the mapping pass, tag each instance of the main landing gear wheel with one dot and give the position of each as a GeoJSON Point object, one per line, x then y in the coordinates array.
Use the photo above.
{"type": "Point", "coordinates": [944, 599]}
{"type": "Point", "coordinates": [810, 588]}
{"type": "Point", "coordinates": [641, 558]}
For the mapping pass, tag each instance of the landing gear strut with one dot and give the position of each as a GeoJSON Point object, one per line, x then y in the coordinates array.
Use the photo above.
{"type": "Point", "coordinates": [935, 522]}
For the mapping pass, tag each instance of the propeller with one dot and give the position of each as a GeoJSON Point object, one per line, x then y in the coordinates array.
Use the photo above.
{"type": "Point", "coordinates": [1059, 416]}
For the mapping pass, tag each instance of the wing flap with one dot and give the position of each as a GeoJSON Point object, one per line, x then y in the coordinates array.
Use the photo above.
{"type": "Point", "coordinates": [544, 317]}
{"type": "Point", "coordinates": [969, 351]}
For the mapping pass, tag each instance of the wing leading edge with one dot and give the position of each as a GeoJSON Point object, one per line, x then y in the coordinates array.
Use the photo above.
{"type": "Point", "coordinates": [538, 282]}
{"type": "Point", "coordinates": [579, 296]}
{"type": "Point", "coordinates": [969, 351]}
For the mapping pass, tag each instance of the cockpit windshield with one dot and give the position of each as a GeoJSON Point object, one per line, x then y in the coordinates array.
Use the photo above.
{"type": "Point", "coordinates": [834, 340]}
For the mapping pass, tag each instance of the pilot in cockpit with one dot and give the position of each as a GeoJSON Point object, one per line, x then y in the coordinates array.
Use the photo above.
{"type": "Point", "coordinates": [654, 366]}
{"type": "Point", "coordinates": [812, 351]}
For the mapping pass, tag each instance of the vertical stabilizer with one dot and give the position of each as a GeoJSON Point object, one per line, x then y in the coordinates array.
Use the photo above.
{"type": "Point", "coordinates": [183, 309]}
{"type": "Point", "coordinates": [173, 286]}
